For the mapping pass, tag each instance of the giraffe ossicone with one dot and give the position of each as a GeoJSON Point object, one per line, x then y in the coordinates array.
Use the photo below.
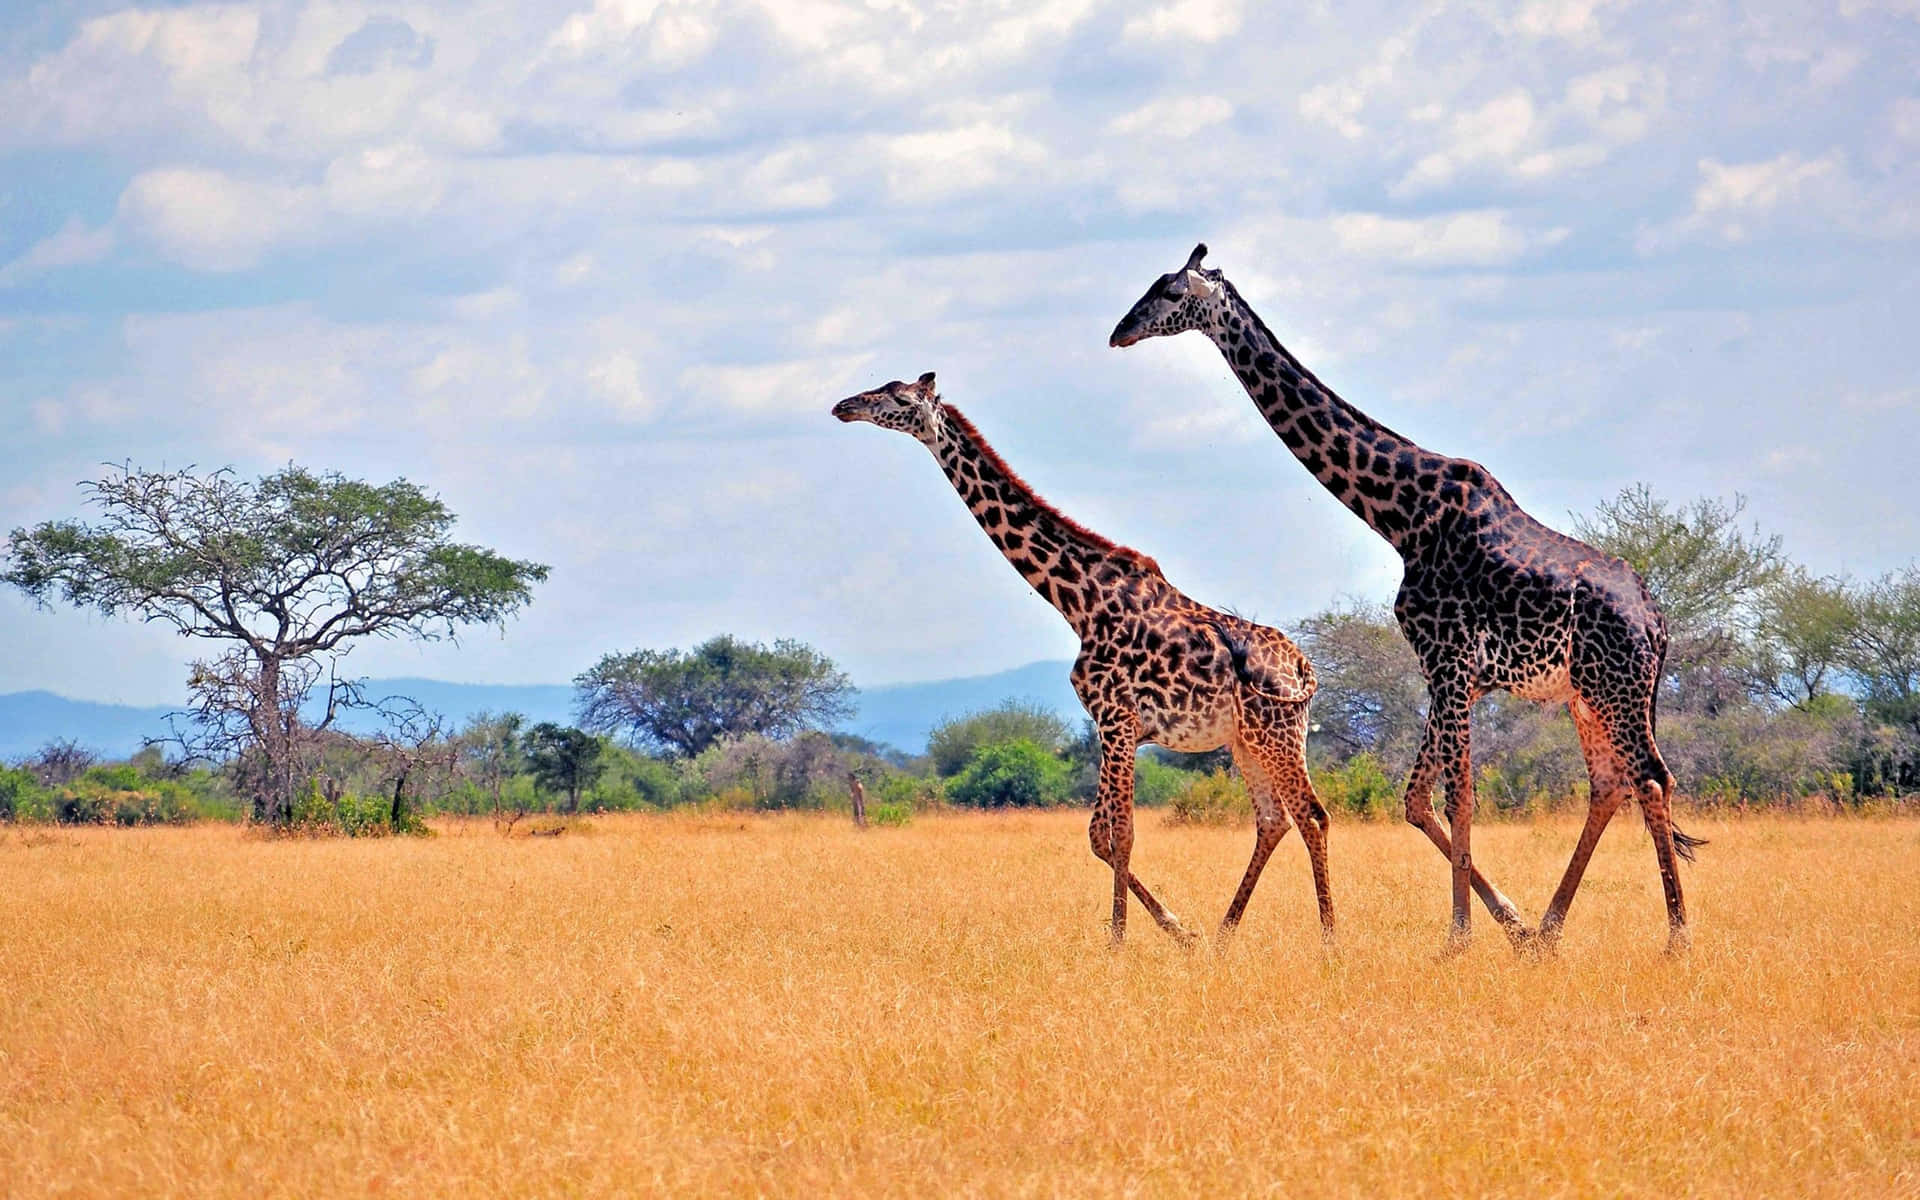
{"type": "Point", "coordinates": [1154, 665]}
{"type": "Point", "coordinates": [1489, 599]}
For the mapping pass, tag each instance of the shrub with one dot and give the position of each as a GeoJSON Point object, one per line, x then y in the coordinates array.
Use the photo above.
{"type": "Point", "coordinates": [350, 814]}
{"type": "Point", "coordinates": [1015, 774]}
{"type": "Point", "coordinates": [629, 780]}
{"type": "Point", "coordinates": [1216, 798]}
{"type": "Point", "coordinates": [1155, 784]}
{"type": "Point", "coordinates": [889, 814]}
{"type": "Point", "coordinates": [21, 796]}
{"type": "Point", "coordinates": [955, 741]}
{"type": "Point", "coordinates": [909, 793]}
{"type": "Point", "coordinates": [1359, 786]}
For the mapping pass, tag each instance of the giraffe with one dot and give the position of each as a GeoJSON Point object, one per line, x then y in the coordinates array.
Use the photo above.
{"type": "Point", "coordinates": [1153, 664]}
{"type": "Point", "coordinates": [1489, 598]}
{"type": "Point", "coordinates": [859, 794]}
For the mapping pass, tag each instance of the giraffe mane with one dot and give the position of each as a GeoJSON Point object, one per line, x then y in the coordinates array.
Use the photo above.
{"type": "Point", "coordinates": [1107, 545]}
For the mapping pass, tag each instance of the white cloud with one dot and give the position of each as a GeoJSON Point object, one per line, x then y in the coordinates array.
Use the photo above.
{"type": "Point", "coordinates": [73, 244]}
{"type": "Point", "coordinates": [1621, 102]}
{"type": "Point", "coordinates": [385, 181]}
{"type": "Point", "coordinates": [1205, 21]}
{"type": "Point", "coordinates": [1206, 423]}
{"type": "Point", "coordinates": [483, 306]}
{"type": "Point", "coordinates": [616, 379]}
{"type": "Point", "coordinates": [1734, 202]}
{"type": "Point", "coordinates": [1031, 25]}
{"type": "Point", "coordinates": [1174, 116]}
{"type": "Point", "coordinates": [574, 270]}
{"type": "Point", "coordinates": [127, 71]}
{"type": "Point", "coordinates": [1339, 103]}
{"type": "Point", "coordinates": [797, 385]}
{"type": "Point", "coordinates": [1569, 19]}
{"type": "Point", "coordinates": [669, 33]}
{"type": "Point", "coordinates": [789, 179]}
{"type": "Point", "coordinates": [1494, 133]}
{"type": "Point", "coordinates": [926, 166]}
{"type": "Point", "coordinates": [1732, 188]}
{"type": "Point", "coordinates": [1482, 238]}
{"type": "Point", "coordinates": [213, 221]}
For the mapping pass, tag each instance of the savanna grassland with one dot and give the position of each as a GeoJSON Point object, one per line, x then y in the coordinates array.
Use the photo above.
{"type": "Point", "coordinates": [724, 1005]}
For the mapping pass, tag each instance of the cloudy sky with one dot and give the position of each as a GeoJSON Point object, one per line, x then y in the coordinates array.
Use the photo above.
{"type": "Point", "coordinates": [594, 272]}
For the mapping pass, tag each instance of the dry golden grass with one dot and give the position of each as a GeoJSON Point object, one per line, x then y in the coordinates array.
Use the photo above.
{"type": "Point", "coordinates": [711, 1005]}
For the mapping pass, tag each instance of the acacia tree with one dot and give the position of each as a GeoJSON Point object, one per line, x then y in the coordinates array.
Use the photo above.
{"type": "Point", "coordinates": [1804, 628]}
{"type": "Point", "coordinates": [288, 571]}
{"type": "Point", "coordinates": [564, 759]}
{"type": "Point", "coordinates": [1704, 571]}
{"type": "Point", "coordinates": [685, 701]}
{"type": "Point", "coordinates": [1372, 696]}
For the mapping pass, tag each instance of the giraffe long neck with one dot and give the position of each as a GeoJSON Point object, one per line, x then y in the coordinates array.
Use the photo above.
{"type": "Point", "coordinates": [1064, 561]}
{"type": "Point", "coordinates": [1388, 481]}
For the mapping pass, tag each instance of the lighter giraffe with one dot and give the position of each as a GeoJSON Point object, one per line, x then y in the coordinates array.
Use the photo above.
{"type": "Point", "coordinates": [1153, 664]}
{"type": "Point", "coordinates": [1490, 598]}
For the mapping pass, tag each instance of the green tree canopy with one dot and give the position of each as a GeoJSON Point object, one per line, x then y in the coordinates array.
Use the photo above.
{"type": "Point", "coordinates": [1015, 774]}
{"type": "Point", "coordinates": [1704, 571]}
{"type": "Point", "coordinates": [287, 571]}
{"type": "Point", "coordinates": [682, 702]}
{"type": "Point", "coordinates": [1884, 646]}
{"type": "Point", "coordinates": [953, 742]}
{"type": "Point", "coordinates": [563, 759]}
{"type": "Point", "coordinates": [1699, 564]}
{"type": "Point", "coordinates": [1372, 696]}
{"type": "Point", "coordinates": [1802, 631]}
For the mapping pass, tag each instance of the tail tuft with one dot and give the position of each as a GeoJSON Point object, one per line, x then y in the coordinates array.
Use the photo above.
{"type": "Point", "coordinates": [1684, 845]}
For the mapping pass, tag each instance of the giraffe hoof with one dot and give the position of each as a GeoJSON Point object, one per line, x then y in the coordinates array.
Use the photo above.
{"type": "Point", "coordinates": [1679, 942]}
{"type": "Point", "coordinates": [1532, 944]}
{"type": "Point", "coordinates": [1455, 945]}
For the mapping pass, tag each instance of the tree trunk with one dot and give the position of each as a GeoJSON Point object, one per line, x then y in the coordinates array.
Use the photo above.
{"type": "Point", "coordinates": [270, 728]}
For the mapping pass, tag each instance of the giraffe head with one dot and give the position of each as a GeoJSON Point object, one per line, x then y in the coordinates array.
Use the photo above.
{"type": "Point", "coordinates": [1179, 301]}
{"type": "Point", "coordinates": [912, 408]}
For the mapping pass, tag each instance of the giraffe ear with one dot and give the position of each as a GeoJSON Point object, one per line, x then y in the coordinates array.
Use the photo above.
{"type": "Point", "coordinates": [926, 384]}
{"type": "Point", "coordinates": [1199, 252]}
{"type": "Point", "coordinates": [1199, 284]}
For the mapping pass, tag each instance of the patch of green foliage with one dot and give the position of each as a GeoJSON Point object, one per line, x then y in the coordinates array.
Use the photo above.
{"type": "Point", "coordinates": [1015, 774]}
{"type": "Point", "coordinates": [351, 814]}
{"type": "Point", "coordinates": [1155, 783]}
{"type": "Point", "coordinates": [953, 743]}
{"type": "Point", "coordinates": [1216, 798]}
{"type": "Point", "coordinates": [1359, 786]}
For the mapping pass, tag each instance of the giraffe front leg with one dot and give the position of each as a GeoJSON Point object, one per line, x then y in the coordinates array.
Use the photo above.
{"type": "Point", "coordinates": [1460, 816]}
{"type": "Point", "coordinates": [1447, 722]}
{"type": "Point", "coordinates": [1420, 815]}
{"type": "Point", "coordinates": [1112, 828]}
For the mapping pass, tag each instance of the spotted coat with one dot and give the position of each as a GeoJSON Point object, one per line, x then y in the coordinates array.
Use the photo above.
{"type": "Point", "coordinates": [1154, 665]}
{"type": "Point", "coordinates": [1489, 598]}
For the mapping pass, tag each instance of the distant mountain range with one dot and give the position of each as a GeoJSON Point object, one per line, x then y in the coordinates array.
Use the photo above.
{"type": "Point", "coordinates": [898, 714]}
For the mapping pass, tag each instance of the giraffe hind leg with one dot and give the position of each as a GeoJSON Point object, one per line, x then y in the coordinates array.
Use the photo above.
{"type": "Point", "coordinates": [1271, 822]}
{"type": "Point", "coordinates": [1669, 844]}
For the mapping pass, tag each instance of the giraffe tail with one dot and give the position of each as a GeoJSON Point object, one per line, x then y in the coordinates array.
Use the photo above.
{"type": "Point", "coordinates": [1684, 844]}
{"type": "Point", "coordinates": [1262, 665]}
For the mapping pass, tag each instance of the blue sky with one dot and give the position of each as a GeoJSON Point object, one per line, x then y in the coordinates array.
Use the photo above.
{"type": "Point", "coordinates": [594, 272]}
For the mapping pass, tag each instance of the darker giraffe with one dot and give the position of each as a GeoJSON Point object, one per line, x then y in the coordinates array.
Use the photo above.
{"type": "Point", "coordinates": [1153, 666]}
{"type": "Point", "coordinates": [1490, 598]}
